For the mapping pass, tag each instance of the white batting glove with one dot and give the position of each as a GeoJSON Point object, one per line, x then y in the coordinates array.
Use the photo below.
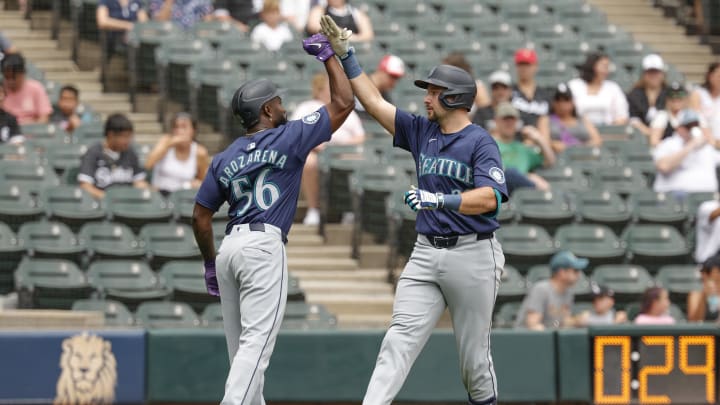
{"type": "Point", "coordinates": [339, 37]}
{"type": "Point", "coordinates": [418, 199]}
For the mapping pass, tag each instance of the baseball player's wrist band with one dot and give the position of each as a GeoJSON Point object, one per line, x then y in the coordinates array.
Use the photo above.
{"type": "Point", "coordinates": [498, 198]}
{"type": "Point", "coordinates": [450, 201]}
{"type": "Point", "coordinates": [350, 64]}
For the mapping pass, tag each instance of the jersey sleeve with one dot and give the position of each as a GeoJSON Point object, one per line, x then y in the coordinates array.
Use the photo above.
{"type": "Point", "coordinates": [488, 167]}
{"type": "Point", "coordinates": [210, 195]}
{"type": "Point", "coordinates": [407, 131]}
{"type": "Point", "coordinates": [312, 130]}
{"type": "Point", "coordinates": [138, 171]}
{"type": "Point", "coordinates": [88, 166]}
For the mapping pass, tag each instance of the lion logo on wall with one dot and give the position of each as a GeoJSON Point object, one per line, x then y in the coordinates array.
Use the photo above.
{"type": "Point", "coordinates": [89, 374]}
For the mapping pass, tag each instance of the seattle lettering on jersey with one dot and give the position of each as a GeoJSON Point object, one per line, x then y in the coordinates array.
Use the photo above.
{"type": "Point", "coordinates": [271, 156]}
{"type": "Point", "coordinates": [445, 167]}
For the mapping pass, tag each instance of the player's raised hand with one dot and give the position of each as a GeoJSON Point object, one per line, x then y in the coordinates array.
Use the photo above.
{"type": "Point", "coordinates": [339, 37]}
{"type": "Point", "coordinates": [418, 199]}
{"type": "Point", "coordinates": [318, 46]}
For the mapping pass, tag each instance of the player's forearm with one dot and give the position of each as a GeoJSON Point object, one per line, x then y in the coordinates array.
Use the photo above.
{"type": "Point", "coordinates": [341, 93]}
{"type": "Point", "coordinates": [478, 201]}
{"type": "Point", "coordinates": [94, 191]}
{"type": "Point", "coordinates": [202, 229]}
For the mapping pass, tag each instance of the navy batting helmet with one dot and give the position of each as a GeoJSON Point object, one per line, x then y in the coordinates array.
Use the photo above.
{"type": "Point", "coordinates": [249, 99]}
{"type": "Point", "coordinates": [457, 83]}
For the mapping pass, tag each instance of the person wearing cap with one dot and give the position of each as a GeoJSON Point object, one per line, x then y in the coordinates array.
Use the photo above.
{"type": "Point", "coordinates": [25, 98]}
{"type": "Point", "coordinates": [500, 91]}
{"type": "Point", "coordinates": [6, 47]}
{"type": "Point", "coordinates": [686, 161]}
{"type": "Point", "coordinates": [389, 71]}
{"type": "Point", "coordinates": [566, 128]}
{"type": "Point", "coordinates": [549, 303]}
{"type": "Point", "coordinates": [603, 308]}
{"type": "Point", "coordinates": [601, 100]}
{"type": "Point", "coordinates": [666, 121]}
{"type": "Point", "coordinates": [344, 15]}
{"type": "Point", "coordinates": [654, 308]}
{"type": "Point", "coordinates": [532, 101]}
{"type": "Point", "coordinates": [648, 95]}
{"type": "Point", "coordinates": [522, 151]}
{"type": "Point", "coordinates": [706, 98]}
{"type": "Point", "coordinates": [703, 305]}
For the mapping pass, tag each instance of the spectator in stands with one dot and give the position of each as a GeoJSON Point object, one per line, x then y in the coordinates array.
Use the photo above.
{"type": "Point", "coordinates": [522, 151]}
{"type": "Point", "coordinates": [295, 13]}
{"type": "Point", "coordinates": [389, 71]}
{"type": "Point", "coordinates": [566, 128]}
{"type": "Point", "coordinates": [706, 98]}
{"type": "Point", "coordinates": [686, 161]}
{"type": "Point", "coordinates": [69, 113]}
{"type": "Point", "coordinates": [549, 302]}
{"type": "Point", "coordinates": [482, 99]}
{"type": "Point", "coordinates": [351, 132]}
{"type": "Point", "coordinates": [532, 101]}
{"type": "Point", "coordinates": [666, 121]}
{"type": "Point", "coordinates": [648, 96]}
{"type": "Point", "coordinates": [182, 12]}
{"type": "Point", "coordinates": [6, 47]}
{"type": "Point", "coordinates": [25, 98]}
{"type": "Point", "coordinates": [707, 228]}
{"type": "Point", "coordinates": [600, 100]}
{"type": "Point", "coordinates": [500, 92]}
{"type": "Point", "coordinates": [272, 32]}
{"type": "Point", "coordinates": [241, 12]}
{"type": "Point", "coordinates": [654, 308]}
{"type": "Point", "coordinates": [345, 16]}
{"type": "Point", "coordinates": [112, 161]}
{"type": "Point", "coordinates": [9, 128]}
{"type": "Point", "coordinates": [178, 162]}
{"type": "Point", "coordinates": [704, 304]}
{"type": "Point", "coordinates": [603, 308]}
{"type": "Point", "coordinates": [118, 17]}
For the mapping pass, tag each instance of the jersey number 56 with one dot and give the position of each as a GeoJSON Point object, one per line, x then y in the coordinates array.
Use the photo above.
{"type": "Point", "coordinates": [263, 194]}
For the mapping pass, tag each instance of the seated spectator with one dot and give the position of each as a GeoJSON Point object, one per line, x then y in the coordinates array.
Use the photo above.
{"type": "Point", "coordinates": [69, 114]}
{"type": "Point", "coordinates": [177, 161]}
{"type": "Point", "coordinates": [500, 92]}
{"type": "Point", "coordinates": [521, 151]}
{"type": "Point", "coordinates": [272, 32]}
{"type": "Point", "coordinates": [295, 13]}
{"type": "Point", "coordinates": [482, 99]}
{"type": "Point", "coordinates": [6, 47]}
{"type": "Point", "coordinates": [9, 128]}
{"type": "Point", "coordinates": [666, 121]}
{"type": "Point", "coordinates": [345, 16]}
{"type": "Point", "coordinates": [549, 302]}
{"type": "Point", "coordinates": [351, 132]}
{"type": "Point", "coordinates": [119, 17]}
{"type": "Point", "coordinates": [598, 99]}
{"type": "Point", "coordinates": [182, 12]}
{"type": "Point", "coordinates": [603, 308]}
{"type": "Point", "coordinates": [654, 308]}
{"type": "Point", "coordinates": [706, 98]}
{"type": "Point", "coordinates": [25, 98]}
{"type": "Point", "coordinates": [566, 128]}
{"type": "Point", "coordinates": [704, 305]}
{"type": "Point", "coordinates": [112, 161]}
{"type": "Point", "coordinates": [686, 161]}
{"type": "Point", "coordinates": [647, 97]}
{"type": "Point", "coordinates": [532, 101]}
{"type": "Point", "coordinates": [707, 228]}
{"type": "Point", "coordinates": [385, 77]}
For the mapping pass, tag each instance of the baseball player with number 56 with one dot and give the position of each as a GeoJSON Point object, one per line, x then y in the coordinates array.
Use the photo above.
{"type": "Point", "coordinates": [457, 262]}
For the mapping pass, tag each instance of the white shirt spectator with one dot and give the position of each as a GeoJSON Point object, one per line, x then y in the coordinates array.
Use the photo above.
{"type": "Point", "coordinates": [662, 117]}
{"type": "Point", "coordinates": [694, 175]}
{"type": "Point", "coordinates": [296, 11]}
{"type": "Point", "coordinates": [271, 38]}
{"type": "Point", "coordinates": [708, 233]}
{"type": "Point", "coordinates": [710, 110]}
{"type": "Point", "coordinates": [349, 131]}
{"type": "Point", "coordinates": [603, 108]}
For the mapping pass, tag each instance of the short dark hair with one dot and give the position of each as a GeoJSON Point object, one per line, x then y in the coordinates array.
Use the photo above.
{"type": "Point", "coordinates": [13, 62]}
{"type": "Point", "coordinates": [69, 87]}
{"type": "Point", "coordinates": [117, 123]}
{"type": "Point", "coordinates": [183, 115]}
{"type": "Point", "coordinates": [587, 69]}
{"type": "Point", "coordinates": [649, 297]}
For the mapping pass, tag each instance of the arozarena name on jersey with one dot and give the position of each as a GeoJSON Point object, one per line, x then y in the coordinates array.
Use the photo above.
{"type": "Point", "coordinates": [446, 167]}
{"type": "Point", "coordinates": [264, 156]}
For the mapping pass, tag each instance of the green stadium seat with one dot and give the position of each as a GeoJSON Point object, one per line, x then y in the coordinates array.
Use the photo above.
{"type": "Point", "coordinates": [187, 281]}
{"type": "Point", "coordinates": [508, 213]}
{"type": "Point", "coordinates": [183, 202]}
{"type": "Point", "coordinates": [18, 152]}
{"type": "Point", "coordinates": [525, 245]}
{"type": "Point", "coordinates": [243, 52]}
{"type": "Point", "coordinates": [72, 206]}
{"type": "Point", "coordinates": [137, 207]}
{"type": "Point", "coordinates": [679, 280]}
{"type": "Point", "coordinates": [89, 134]}
{"type": "Point", "coordinates": [598, 243]}
{"type": "Point", "coordinates": [564, 178]}
{"type": "Point", "coordinates": [628, 281]}
{"type": "Point", "coordinates": [166, 242]}
{"type": "Point", "coordinates": [694, 200]}
{"type": "Point", "coordinates": [577, 17]}
{"type": "Point", "coordinates": [623, 180]}
{"type": "Point", "coordinates": [62, 157]}
{"type": "Point", "coordinates": [653, 245]}
{"type": "Point", "coordinates": [51, 240]}
{"type": "Point", "coordinates": [28, 176]}
{"type": "Point", "coordinates": [17, 206]}
{"type": "Point", "coordinates": [44, 136]}
{"type": "Point", "coordinates": [211, 317]}
{"type": "Point", "coordinates": [412, 14]}
{"type": "Point", "coordinates": [304, 316]}
{"type": "Point", "coordinates": [214, 31]}
{"type": "Point", "coordinates": [143, 39]}
{"type": "Point", "coordinates": [116, 314]}
{"type": "Point", "coordinates": [174, 58]}
{"type": "Point", "coordinates": [50, 283]}
{"type": "Point", "coordinates": [166, 315]}
{"type": "Point", "coordinates": [546, 208]}
{"type": "Point", "coordinates": [512, 286]}
{"type": "Point", "coordinates": [401, 234]}
{"type": "Point", "coordinates": [587, 159]}
{"type": "Point", "coordinates": [658, 208]}
{"type": "Point", "coordinates": [633, 310]}
{"type": "Point", "coordinates": [581, 290]}
{"type": "Point", "coordinates": [604, 207]}
{"type": "Point", "coordinates": [11, 251]}
{"type": "Point", "coordinates": [506, 315]}
{"type": "Point", "coordinates": [218, 232]}
{"type": "Point", "coordinates": [111, 240]}
{"type": "Point", "coordinates": [128, 281]}
{"type": "Point", "coordinates": [205, 78]}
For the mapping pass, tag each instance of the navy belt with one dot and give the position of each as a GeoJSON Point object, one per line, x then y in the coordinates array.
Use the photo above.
{"type": "Point", "coordinates": [443, 242]}
{"type": "Point", "coordinates": [260, 227]}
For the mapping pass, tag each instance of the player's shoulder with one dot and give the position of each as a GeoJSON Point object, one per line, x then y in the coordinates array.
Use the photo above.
{"type": "Point", "coordinates": [478, 135]}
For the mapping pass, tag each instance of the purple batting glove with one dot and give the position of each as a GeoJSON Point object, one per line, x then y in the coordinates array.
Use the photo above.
{"type": "Point", "coordinates": [211, 279]}
{"type": "Point", "coordinates": [318, 46]}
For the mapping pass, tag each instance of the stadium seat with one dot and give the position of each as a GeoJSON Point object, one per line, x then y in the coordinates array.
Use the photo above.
{"type": "Point", "coordinates": [17, 206]}
{"type": "Point", "coordinates": [183, 202]}
{"type": "Point", "coordinates": [587, 159]}
{"type": "Point", "coordinates": [28, 176]}
{"type": "Point", "coordinates": [598, 243]}
{"type": "Point", "coordinates": [214, 31]}
{"type": "Point", "coordinates": [116, 314]}
{"type": "Point", "coordinates": [205, 78]}
{"type": "Point", "coordinates": [564, 178]}
{"type": "Point", "coordinates": [143, 39]}
{"type": "Point", "coordinates": [128, 281]}
{"type": "Point", "coordinates": [89, 134]}
{"type": "Point", "coordinates": [411, 14]}
{"type": "Point", "coordinates": [11, 251]}
{"type": "Point", "coordinates": [525, 245]}
{"type": "Point", "coordinates": [508, 213]}
{"type": "Point", "coordinates": [187, 281]}
{"type": "Point", "coordinates": [337, 164]}
{"type": "Point", "coordinates": [51, 240]}
{"type": "Point", "coordinates": [211, 317]}
{"type": "Point", "coordinates": [657, 208]}
{"type": "Point", "coordinates": [546, 208]}
{"type": "Point", "coordinates": [44, 136]}
{"type": "Point", "coordinates": [512, 286]}
{"type": "Point", "coordinates": [166, 242]}
{"type": "Point", "coordinates": [654, 245]}
{"type": "Point", "coordinates": [62, 157]}
{"type": "Point", "coordinates": [694, 200]}
{"type": "Point", "coordinates": [111, 240]}
{"type": "Point", "coordinates": [137, 207]}
{"type": "Point", "coordinates": [243, 52]}
{"type": "Point", "coordinates": [304, 316]}
{"type": "Point", "coordinates": [581, 290]}
{"type": "Point", "coordinates": [506, 315]}
{"type": "Point", "coordinates": [628, 281]}
{"type": "Point", "coordinates": [50, 283]}
{"type": "Point", "coordinates": [174, 57]}
{"type": "Point", "coordinates": [604, 207]}
{"type": "Point", "coordinates": [633, 310]}
{"type": "Point", "coordinates": [679, 280]}
{"type": "Point", "coordinates": [623, 180]}
{"type": "Point", "coordinates": [72, 206]}
{"type": "Point", "coordinates": [18, 152]}
{"type": "Point", "coordinates": [166, 315]}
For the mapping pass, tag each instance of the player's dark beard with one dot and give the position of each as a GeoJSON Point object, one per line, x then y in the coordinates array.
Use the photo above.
{"type": "Point", "coordinates": [282, 120]}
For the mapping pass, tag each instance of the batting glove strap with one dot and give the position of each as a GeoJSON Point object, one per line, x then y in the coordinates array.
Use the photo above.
{"type": "Point", "coordinates": [350, 64]}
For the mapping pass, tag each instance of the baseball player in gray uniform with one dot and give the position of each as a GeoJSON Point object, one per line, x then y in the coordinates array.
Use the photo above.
{"type": "Point", "coordinates": [259, 176]}
{"type": "Point", "coordinates": [456, 262]}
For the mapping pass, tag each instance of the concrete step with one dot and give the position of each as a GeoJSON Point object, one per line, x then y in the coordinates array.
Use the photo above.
{"type": "Point", "coordinates": [344, 275]}
{"type": "Point", "coordinates": [334, 252]}
{"type": "Point", "coordinates": [321, 263]}
{"type": "Point", "coordinates": [147, 128]}
{"type": "Point", "coordinates": [345, 287]}
{"type": "Point", "coordinates": [77, 77]}
{"type": "Point", "coordinates": [341, 304]}
{"type": "Point", "coordinates": [143, 117]}
{"type": "Point", "coordinates": [300, 229]}
{"type": "Point", "coordinates": [56, 66]}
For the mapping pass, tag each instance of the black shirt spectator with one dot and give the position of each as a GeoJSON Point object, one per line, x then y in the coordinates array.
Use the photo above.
{"type": "Point", "coordinates": [9, 127]}
{"type": "Point", "coordinates": [648, 95]}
